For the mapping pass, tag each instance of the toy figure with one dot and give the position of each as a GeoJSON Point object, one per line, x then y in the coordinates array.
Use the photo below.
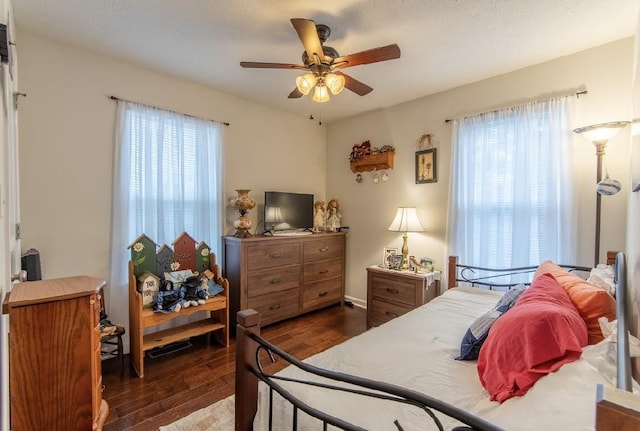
{"type": "Point", "coordinates": [318, 216]}
{"type": "Point", "coordinates": [333, 215]}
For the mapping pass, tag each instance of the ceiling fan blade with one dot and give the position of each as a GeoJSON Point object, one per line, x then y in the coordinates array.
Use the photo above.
{"type": "Point", "coordinates": [354, 85]}
{"type": "Point", "coordinates": [309, 37]}
{"type": "Point", "coordinates": [295, 94]}
{"type": "Point", "coordinates": [374, 55]}
{"type": "Point", "coordinates": [253, 64]}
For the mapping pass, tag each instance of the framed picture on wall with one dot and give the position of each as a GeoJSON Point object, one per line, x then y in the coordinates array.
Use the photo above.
{"type": "Point", "coordinates": [426, 166]}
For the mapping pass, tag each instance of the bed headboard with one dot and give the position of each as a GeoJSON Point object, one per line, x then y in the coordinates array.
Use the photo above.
{"type": "Point", "coordinates": [500, 278]}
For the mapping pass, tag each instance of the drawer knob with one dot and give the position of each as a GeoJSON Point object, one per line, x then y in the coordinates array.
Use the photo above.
{"type": "Point", "coordinates": [274, 307]}
{"type": "Point", "coordinates": [391, 290]}
{"type": "Point", "coordinates": [275, 255]}
{"type": "Point", "coordinates": [275, 281]}
{"type": "Point", "coordinates": [324, 271]}
{"type": "Point", "coordinates": [323, 249]}
{"type": "Point", "coordinates": [390, 314]}
{"type": "Point", "coordinates": [322, 294]}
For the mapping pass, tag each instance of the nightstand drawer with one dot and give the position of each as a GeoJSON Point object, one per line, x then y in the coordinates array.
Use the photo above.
{"type": "Point", "coordinates": [317, 271]}
{"type": "Point", "coordinates": [394, 289]}
{"type": "Point", "coordinates": [384, 311]}
{"type": "Point", "coordinates": [272, 280]}
{"type": "Point", "coordinates": [324, 249]}
{"type": "Point", "coordinates": [261, 256]}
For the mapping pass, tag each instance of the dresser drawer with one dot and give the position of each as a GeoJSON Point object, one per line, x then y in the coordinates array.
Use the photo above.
{"type": "Point", "coordinates": [277, 306]}
{"type": "Point", "coordinates": [395, 289]}
{"type": "Point", "coordinates": [261, 256]}
{"type": "Point", "coordinates": [329, 248]}
{"type": "Point", "coordinates": [322, 293]}
{"type": "Point", "coordinates": [317, 271]}
{"type": "Point", "coordinates": [272, 280]}
{"type": "Point", "coordinates": [385, 311]}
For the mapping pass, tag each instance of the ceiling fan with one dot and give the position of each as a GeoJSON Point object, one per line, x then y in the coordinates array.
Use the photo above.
{"type": "Point", "coordinates": [323, 63]}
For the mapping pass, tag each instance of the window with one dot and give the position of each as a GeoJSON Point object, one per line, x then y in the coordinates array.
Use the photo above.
{"type": "Point", "coordinates": [511, 193]}
{"type": "Point", "coordinates": [167, 180]}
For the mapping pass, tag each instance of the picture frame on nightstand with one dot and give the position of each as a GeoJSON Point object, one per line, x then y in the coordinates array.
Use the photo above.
{"type": "Point", "coordinates": [388, 257]}
{"type": "Point", "coordinates": [397, 262]}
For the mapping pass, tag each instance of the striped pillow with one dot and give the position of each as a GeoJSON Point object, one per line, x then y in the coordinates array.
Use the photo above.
{"type": "Point", "coordinates": [477, 332]}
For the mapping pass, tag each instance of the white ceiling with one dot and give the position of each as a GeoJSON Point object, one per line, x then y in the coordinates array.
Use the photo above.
{"type": "Point", "coordinates": [444, 43]}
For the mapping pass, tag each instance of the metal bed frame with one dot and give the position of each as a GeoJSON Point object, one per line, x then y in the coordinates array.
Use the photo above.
{"type": "Point", "coordinates": [252, 350]}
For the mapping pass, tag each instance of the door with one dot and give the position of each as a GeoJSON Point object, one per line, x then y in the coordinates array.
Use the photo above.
{"type": "Point", "coordinates": [9, 199]}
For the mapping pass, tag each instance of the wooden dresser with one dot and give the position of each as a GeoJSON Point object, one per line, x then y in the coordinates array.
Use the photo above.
{"type": "Point", "coordinates": [54, 355]}
{"type": "Point", "coordinates": [392, 293]}
{"type": "Point", "coordinates": [284, 276]}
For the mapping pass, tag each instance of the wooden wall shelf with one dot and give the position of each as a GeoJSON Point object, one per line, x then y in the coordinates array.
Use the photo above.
{"type": "Point", "coordinates": [372, 162]}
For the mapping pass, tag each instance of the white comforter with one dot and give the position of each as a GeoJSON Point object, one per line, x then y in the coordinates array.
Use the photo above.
{"type": "Point", "coordinates": [417, 351]}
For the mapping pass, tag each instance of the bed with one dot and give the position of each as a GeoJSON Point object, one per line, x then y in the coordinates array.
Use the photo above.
{"type": "Point", "coordinates": [403, 375]}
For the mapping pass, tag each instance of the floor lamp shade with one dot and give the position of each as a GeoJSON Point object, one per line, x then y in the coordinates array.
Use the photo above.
{"type": "Point", "coordinates": [406, 220]}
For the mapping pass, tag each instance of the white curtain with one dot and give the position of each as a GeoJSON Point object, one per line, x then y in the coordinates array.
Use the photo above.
{"type": "Point", "coordinates": [167, 180]}
{"type": "Point", "coordinates": [511, 198]}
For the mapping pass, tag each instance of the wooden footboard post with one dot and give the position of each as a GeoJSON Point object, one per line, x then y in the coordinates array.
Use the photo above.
{"type": "Point", "coordinates": [248, 322]}
{"type": "Point", "coordinates": [453, 262]}
{"type": "Point", "coordinates": [616, 410]}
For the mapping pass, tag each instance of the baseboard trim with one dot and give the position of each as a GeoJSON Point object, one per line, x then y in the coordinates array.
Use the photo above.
{"type": "Point", "coordinates": [356, 301]}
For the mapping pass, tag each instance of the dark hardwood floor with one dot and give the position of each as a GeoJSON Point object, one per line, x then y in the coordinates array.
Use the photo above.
{"type": "Point", "coordinates": [182, 382]}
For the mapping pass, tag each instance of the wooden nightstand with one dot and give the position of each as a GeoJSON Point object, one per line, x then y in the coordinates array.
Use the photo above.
{"type": "Point", "coordinates": [391, 293]}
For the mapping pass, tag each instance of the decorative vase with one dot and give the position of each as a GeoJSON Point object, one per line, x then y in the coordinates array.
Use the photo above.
{"type": "Point", "coordinates": [243, 203]}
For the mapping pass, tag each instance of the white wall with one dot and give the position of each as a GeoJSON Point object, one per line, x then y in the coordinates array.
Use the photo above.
{"type": "Point", "coordinates": [633, 215]}
{"type": "Point", "coordinates": [67, 126]}
{"type": "Point", "coordinates": [368, 208]}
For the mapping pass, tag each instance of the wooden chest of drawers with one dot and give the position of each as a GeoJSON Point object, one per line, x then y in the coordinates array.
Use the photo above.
{"type": "Point", "coordinates": [54, 355]}
{"type": "Point", "coordinates": [392, 293]}
{"type": "Point", "coordinates": [282, 277]}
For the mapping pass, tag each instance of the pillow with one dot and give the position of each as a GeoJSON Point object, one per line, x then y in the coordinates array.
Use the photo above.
{"type": "Point", "coordinates": [477, 332]}
{"type": "Point", "coordinates": [539, 334]}
{"type": "Point", "coordinates": [591, 301]}
{"type": "Point", "coordinates": [603, 276]}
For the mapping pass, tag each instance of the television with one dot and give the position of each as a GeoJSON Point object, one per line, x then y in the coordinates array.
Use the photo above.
{"type": "Point", "coordinates": [287, 211]}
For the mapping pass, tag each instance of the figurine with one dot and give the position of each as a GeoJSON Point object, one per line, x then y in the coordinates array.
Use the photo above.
{"type": "Point", "coordinates": [333, 215]}
{"type": "Point", "coordinates": [318, 216]}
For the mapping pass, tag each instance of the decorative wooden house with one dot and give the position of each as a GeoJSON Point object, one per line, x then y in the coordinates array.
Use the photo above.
{"type": "Point", "coordinates": [164, 259]}
{"type": "Point", "coordinates": [148, 285]}
{"type": "Point", "coordinates": [143, 255]}
{"type": "Point", "coordinates": [203, 251]}
{"type": "Point", "coordinates": [184, 251]}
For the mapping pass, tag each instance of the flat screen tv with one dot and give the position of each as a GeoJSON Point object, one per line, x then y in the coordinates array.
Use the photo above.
{"type": "Point", "coordinates": [287, 211]}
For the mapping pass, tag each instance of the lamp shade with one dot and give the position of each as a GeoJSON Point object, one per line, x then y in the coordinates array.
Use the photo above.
{"type": "Point", "coordinates": [406, 220]}
{"type": "Point", "coordinates": [305, 83]}
{"type": "Point", "coordinates": [601, 132]}
{"type": "Point", "coordinates": [274, 215]}
{"type": "Point", "coordinates": [334, 82]}
{"type": "Point", "coordinates": [321, 94]}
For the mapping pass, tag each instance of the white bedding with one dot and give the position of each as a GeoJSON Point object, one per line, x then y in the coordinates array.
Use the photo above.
{"type": "Point", "coordinates": [417, 351]}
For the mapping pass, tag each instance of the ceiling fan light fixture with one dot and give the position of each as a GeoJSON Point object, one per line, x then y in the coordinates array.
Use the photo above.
{"type": "Point", "coordinates": [305, 83]}
{"type": "Point", "coordinates": [334, 82]}
{"type": "Point", "coordinates": [321, 94]}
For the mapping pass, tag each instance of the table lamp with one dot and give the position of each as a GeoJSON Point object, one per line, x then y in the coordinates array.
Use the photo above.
{"type": "Point", "coordinates": [406, 220]}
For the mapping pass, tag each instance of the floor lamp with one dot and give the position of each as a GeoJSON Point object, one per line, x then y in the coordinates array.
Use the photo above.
{"type": "Point", "coordinates": [600, 134]}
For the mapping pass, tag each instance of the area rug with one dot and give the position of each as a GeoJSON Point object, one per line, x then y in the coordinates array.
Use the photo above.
{"type": "Point", "coordinates": [218, 417]}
